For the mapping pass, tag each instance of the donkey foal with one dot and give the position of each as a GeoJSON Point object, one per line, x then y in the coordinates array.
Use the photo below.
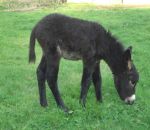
{"type": "Point", "coordinates": [76, 39]}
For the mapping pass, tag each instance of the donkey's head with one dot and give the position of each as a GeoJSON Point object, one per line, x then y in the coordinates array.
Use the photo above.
{"type": "Point", "coordinates": [126, 81]}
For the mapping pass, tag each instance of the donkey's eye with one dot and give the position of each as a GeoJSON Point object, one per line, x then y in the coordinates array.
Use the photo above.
{"type": "Point", "coordinates": [132, 83]}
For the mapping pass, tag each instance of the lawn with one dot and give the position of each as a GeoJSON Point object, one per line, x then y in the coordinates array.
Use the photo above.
{"type": "Point", "coordinates": [19, 104]}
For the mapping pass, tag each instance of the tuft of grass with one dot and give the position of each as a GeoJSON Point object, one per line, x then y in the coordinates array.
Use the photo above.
{"type": "Point", "coordinates": [19, 105]}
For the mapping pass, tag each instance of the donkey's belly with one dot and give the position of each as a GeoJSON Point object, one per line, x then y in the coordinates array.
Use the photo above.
{"type": "Point", "coordinates": [68, 54]}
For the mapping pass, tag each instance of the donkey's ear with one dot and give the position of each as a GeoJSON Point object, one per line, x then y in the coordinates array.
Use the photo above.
{"type": "Point", "coordinates": [127, 57]}
{"type": "Point", "coordinates": [127, 54]}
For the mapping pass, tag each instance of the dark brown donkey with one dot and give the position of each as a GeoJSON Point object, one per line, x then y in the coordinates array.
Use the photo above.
{"type": "Point", "coordinates": [75, 39]}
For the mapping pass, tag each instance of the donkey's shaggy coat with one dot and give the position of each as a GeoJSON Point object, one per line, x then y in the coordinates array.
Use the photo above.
{"type": "Point", "coordinates": [74, 39]}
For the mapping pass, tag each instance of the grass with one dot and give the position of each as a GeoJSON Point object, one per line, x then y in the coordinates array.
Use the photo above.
{"type": "Point", "coordinates": [19, 105]}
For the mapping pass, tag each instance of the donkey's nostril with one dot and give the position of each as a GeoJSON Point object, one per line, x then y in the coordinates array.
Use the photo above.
{"type": "Point", "coordinates": [130, 102]}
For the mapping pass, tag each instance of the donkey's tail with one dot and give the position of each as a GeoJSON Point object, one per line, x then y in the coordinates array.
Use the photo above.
{"type": "Point", "coordinates": [32, 56]}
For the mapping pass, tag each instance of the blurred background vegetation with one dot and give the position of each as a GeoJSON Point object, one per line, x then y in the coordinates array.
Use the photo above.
{"type": "Point", "coordinates": [28, 4]}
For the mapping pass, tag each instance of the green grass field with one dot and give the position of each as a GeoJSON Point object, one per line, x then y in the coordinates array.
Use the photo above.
{"type": "Point", "coordinates": [19, 104]}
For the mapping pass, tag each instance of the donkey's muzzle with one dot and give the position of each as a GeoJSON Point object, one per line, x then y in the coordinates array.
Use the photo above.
{"type": "Point", "coordinates": [130, 100]}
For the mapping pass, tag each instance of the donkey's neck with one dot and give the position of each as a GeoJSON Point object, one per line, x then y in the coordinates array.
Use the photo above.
{"type": "Point", "coordinates": [113, 55]}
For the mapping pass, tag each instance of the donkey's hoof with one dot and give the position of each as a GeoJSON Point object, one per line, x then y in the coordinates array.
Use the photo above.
{"type": "Point", "coordinates": [100, 101]}
{"type": "Point", "coordinates": [44, 104]}
{"type": "Point", "coordinates": [82, 102]}
{"type": "Point", "coordinates": [65, 109]}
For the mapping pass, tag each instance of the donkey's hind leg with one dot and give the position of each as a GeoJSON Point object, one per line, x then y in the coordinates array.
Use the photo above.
{"type": "Point", "coordinates": [41, 77]}
{"type": "Point", "coordinates": [52, 60]}
{"type": "Point", "coordinates": [96, 77]}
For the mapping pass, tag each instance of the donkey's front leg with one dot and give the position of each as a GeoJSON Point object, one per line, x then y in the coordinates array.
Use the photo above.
{"type": "Point", "coordinates": [96, 76]}
{"type": "Point", "coordinates": [88, 68]}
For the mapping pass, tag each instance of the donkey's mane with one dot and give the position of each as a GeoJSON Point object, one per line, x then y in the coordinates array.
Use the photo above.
{"type": "Point", "coordinates": [114, 55]}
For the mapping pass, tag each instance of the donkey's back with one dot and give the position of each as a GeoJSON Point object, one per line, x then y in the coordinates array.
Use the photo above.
{"type": "Point", "coordinates": [72, 38]}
